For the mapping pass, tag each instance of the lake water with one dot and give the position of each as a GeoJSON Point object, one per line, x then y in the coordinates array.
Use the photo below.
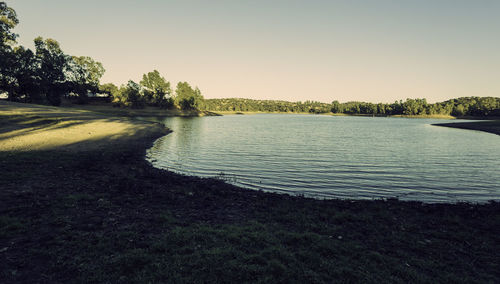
{"type": "Point", "coordinates": [335, 156]}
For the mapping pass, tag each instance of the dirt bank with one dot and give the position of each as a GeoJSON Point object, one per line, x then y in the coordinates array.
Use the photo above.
{"type": "Point", "coordinates": [492, 126]}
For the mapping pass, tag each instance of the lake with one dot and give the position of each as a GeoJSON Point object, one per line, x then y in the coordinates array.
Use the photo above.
{"type": "Point", "coordinates": [335, 156]}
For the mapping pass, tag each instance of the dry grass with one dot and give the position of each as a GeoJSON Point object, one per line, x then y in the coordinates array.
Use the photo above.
{"type": "Point", "coordinates": [26, 127]}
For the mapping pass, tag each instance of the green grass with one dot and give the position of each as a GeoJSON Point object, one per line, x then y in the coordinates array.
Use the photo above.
{"type": "Point", "coordinates": [10, 226]}
{"type": "Point", "coordinates": [109, 217]}
{"type": "Point", "coordinates": [23, 121]}
{"type": "Point", "coordinates": [119, 220]}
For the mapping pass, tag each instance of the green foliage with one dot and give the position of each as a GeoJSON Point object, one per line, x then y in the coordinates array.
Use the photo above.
{"type": "Point", "coordinates": [8, 20]}
{"type": "Point", "coordinates": [46, 74]}
{"type": "Point", "coordinates": [110, 89]}
{"type": "Point", "coordinates": [130, 95]}
{"type": "Point", "coordinates": [186, 97]}
{"type": "Point", "coordinates": [476, 106]}
{"type": "Point", "coordinates": [336, 107]}
{"type": "Point", "coordinates": [467, 106]}
{"type": "Point", "coordinates": [83, 75]}
{"type": "Point", "coordinates": [53, 65]}
{"type": "Point", "coordinates": [156, 89]}
{"type": "Point", "coordinates": [89, 70]}
{"type": "Point", "coordinates": [473, 106]}
{"type": "Point", "coordinates": [24, 78]}
{"type": "Point", "coordinates": [237, 104]}
{"type": "Point", "coordinates": [10, 225]}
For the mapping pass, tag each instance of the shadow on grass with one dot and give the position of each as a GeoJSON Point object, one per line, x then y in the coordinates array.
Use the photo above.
{"type": "Point", "coordinates": [108, 216]}
{"type": "Point", "coordinates": [83, 213]}
{"type": "Point", "coordinates": [69, 134]}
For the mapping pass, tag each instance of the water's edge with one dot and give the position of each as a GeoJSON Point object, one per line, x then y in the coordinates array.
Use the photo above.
{"type": "Point", "coordinates": [348, 180]}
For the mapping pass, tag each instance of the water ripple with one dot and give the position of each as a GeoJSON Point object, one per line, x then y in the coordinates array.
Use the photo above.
{"type": "Point", "coordinates": [335, 157]}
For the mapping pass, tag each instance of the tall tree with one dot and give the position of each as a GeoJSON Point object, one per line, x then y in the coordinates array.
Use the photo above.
{"type": "Point", "coordinates": [130, 95]}
{"type": "Point", "coordinates": [83, 74]}
{"type": "Point", "coordinates": [157, 90]}
{"type": "Point", "coordinates": [186, 97]}
{"type": "Point", "coordinates": [53, 67]}
{"type": "Point", "coordinates": [25, 86]}
{"type": "Point", "coordinates": [8, 20]}
{"type": "Point", "coordinates": [336, 107]}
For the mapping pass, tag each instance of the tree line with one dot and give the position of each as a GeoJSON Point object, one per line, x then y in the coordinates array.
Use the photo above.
{"type": "Point", "coordinates": [154, 90]}
{"type": "Point", "coordinates": [47, 74]}
{"type": "Point", "coordinates": [237, 104]}
{"type": "Point", "coordinates": [460, 107]}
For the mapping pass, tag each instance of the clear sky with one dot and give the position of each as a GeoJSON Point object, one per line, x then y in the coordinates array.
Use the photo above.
{"type": "Point", "coordinates": [377, 51]}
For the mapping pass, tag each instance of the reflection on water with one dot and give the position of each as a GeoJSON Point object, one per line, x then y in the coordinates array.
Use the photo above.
{"type": "Point", "coordinates": [185, 138]}
{"type": "Point", "coordinates": [327, 157]}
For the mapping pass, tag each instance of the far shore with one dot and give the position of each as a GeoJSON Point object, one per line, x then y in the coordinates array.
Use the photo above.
{"type": "Point", "coordinates": [437, 116]}
{"type": "Point", "coordinates": [151, 111]}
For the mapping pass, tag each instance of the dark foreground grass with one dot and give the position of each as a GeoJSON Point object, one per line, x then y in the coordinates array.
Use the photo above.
{"type": "Point", "coordinates": [492, 126]}
{"type": "Point", "coordinates": [109, 217]}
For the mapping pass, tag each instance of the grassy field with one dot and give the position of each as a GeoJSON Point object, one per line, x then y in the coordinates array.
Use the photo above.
{"type": "Point", "coordinates": [32, 127]}
{"type": "Point", "coordinates": [94, 210]}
